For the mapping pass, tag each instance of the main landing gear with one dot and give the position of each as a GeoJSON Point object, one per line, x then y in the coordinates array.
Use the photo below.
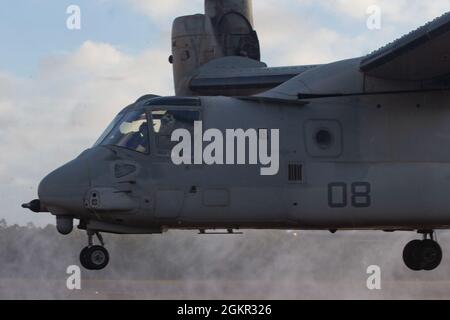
{"type": "Point", "coordinates": [94, 257]}
{"type": "Point", "coordinates": [423, 254]}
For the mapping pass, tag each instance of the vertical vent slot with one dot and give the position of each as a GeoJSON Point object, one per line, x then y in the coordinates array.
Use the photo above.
{"type": "Point", "coordinates": [295, 172]}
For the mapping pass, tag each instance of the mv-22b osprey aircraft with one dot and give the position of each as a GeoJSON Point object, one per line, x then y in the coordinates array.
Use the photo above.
{"type": "Point", "coordinates": [360, 144]}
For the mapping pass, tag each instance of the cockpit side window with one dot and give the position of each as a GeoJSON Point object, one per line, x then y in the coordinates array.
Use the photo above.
{"type": "Point", "coordinates": [131, 132]}
{"type": "Point", "coordinates": [108, 129]}
{"type": "Point", "coordinates": [167, 121]}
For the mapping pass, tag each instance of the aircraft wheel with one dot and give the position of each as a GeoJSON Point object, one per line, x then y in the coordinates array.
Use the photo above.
{"type": "Point", "coordinates": [431, 255]}
{"type": "Point", "coordinates": [94, 258]}
{"type": "Point", "coordinates": [83, 258]}
{"type": "Point", "coordinates": [422, 255]}
{"type": "Point", "coordinates": [412, 255]}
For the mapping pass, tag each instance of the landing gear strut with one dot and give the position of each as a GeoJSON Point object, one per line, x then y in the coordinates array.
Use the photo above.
{"type": "Point", "coordinates": [94, 257]}
{"type": "Point", "coordinates": [423, 254]}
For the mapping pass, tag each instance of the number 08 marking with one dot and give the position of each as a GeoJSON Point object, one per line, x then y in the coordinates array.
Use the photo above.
{"type": "Point", "coordinates": [360, 195]}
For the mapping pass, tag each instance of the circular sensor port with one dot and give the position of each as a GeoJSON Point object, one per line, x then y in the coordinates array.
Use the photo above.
{"type": "Point", "coordinates": [324, 138]}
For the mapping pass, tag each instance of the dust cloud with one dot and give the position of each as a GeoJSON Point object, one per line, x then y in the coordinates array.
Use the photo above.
{"type": "Point", "coordinates": [184, 265]}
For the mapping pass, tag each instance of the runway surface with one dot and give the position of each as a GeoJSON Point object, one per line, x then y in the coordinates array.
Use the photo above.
{"type": "Point", "coordinates": [256, 265]}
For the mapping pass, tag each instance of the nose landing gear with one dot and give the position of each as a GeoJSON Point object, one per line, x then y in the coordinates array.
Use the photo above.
{"type": "Point", "coordinates": [423, 254]}
{"type": "Point", "coordinates": [94, 257]}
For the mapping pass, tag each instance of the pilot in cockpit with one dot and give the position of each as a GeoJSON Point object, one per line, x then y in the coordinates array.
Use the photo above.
{"type": "Point", "coordinates": [139, 140]}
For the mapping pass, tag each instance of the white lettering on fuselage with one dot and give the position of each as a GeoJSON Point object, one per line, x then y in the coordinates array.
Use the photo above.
{"type": "Point", "coordinates": [230, 149]}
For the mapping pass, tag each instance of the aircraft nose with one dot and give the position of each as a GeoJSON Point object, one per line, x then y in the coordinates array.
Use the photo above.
{"type": "Point", "coordinates": [62, 191]}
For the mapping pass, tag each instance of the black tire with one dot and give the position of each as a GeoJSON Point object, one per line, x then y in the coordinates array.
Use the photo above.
{"type": "Point", "coordinates": [83, 258]}
{"type": "Point", "coordinates": [412, 255]}
{"type": "Point", "coordinates": [431, 255]}
{"type": "Point", "coordinates": [97, 258]}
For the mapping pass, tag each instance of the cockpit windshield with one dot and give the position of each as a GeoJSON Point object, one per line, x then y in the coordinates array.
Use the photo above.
{"type": "Point", "coordinates": [128, 131]}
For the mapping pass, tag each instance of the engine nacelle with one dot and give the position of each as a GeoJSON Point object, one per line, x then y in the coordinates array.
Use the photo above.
{"type": "Point", "coordinates": [225, 30]}
{"type": "Point", "coordinates": [193, 45]}
{"type": "Point", "coordinates": [218, 8]}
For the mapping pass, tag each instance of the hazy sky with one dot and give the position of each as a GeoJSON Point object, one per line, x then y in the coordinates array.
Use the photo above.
{"type": "Point", "coordinates": [59, 88]}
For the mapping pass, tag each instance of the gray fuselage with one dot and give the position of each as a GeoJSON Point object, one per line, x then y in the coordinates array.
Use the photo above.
{"type": "Point", "coordinates": [387, 166]}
